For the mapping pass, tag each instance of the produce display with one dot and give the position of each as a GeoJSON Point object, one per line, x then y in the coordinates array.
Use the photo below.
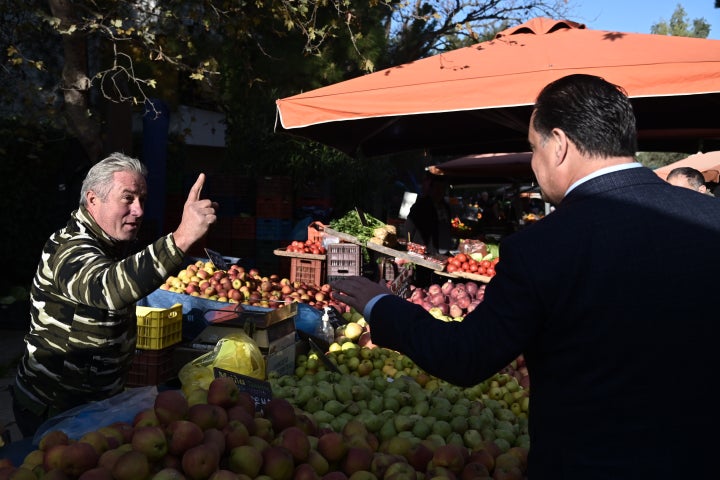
{"type": "Point", "coordinates": [247, 287]}
{"type": "Point", "coordinates": [358, 412]}
{"type": "Point", "coordinates": [449, 301]}
{"type": "Point", "coordinates": [473, 264]}
{"type": "Point", "coordinates": [351, 224]}
{"type": "Point", "coordinates": [378, 417]}
{"type": "Point", "coordinates": [314, 247]}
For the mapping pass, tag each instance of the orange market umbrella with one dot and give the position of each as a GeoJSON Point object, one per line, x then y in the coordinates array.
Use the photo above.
{"type": "Point", "coordinates": [478, 99]}
{"type": "Point", "coordinates": [707, 163]}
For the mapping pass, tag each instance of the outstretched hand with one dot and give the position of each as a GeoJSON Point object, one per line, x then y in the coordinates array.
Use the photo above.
{"type": "Point", "coordinates": [357, 291]}
{"type": "Point", "coordinates": [198, 215]}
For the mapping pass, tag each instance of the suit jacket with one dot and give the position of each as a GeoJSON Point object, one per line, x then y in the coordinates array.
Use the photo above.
{"type": "Point", "coordinates": [610, 298]}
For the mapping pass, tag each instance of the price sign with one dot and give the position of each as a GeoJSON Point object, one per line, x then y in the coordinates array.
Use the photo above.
{"type": "Point", "coordinates": [259, 390]}
{"type": "Point", "coordinates": [400, 284]}
{"type": "Point", "coordinates": [217, 259]}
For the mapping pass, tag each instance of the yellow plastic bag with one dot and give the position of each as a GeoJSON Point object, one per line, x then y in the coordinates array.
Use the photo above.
{"type": "Point", "coordinates": [236, 352]}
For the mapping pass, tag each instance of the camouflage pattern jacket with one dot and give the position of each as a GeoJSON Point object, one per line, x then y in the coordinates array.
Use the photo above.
{"type": "Point", "coordinates": [83, 324]}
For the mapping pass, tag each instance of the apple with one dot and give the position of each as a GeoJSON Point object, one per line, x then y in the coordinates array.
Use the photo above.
{"type": "Point", "coordinates": [277, 463]}
{"type": "Point", "coordinates": [169, 473]}
{"type": "Point", "coordinates": [240, 413]}
{"type": "Point", "coordinates": [223, 391]}
{"type": "Point", "coordinates": [145, 418]}
{"type": "Point", "coordinates": [473, 471]}
{"type": "Point", "coordinates": [223, 475]}
{"type": "Point", "coordinates": [150, 441]}
{"type": "Point", "coordinates": [53, 437]}
{"type": "Point", "coordinates": [181, 435]}
{"type": "Point", "coordinates": [200, 461]}
{"type": "Point", "coordinates": [96, 473]}
{"type": "Point", "coordinates": [208, 416]}
{"type": "Point", "coordinates": [331, 445]}
{"type": "Point", "coordinates": [450, 456]}
{"type": "Point", "coordinates": [54, 456]}
{"type": "Point", "coordinates": [236, 434]}
{"type": "Point", "coordinates": [356, 459]}
{"type": "Point", "coordinates": [296, 442]}
{"type": "Point", "coordinates": [108, 458]}
{"type": "Point", "coordinates": [280, 412]}
{"type": "Point", "coordinates": [78, 457]}
{"type": "Point", "coordinates": [215, 438]}
{"type": "Point", "coordinates": [132, 465]}
{"type": "Point", "coordinates": [97, 440]}
{"type": "Point", "coordinates": [305, 471]}
{"type": "Point", "coordinates": [246, 460]}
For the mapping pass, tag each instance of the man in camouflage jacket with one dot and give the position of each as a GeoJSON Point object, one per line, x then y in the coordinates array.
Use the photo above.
{"type": "Point", "coordinates": [83, 323]}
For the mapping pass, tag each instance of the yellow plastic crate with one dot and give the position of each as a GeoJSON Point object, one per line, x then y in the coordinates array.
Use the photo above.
{"type": "Point", "coordinates": [158, 328]}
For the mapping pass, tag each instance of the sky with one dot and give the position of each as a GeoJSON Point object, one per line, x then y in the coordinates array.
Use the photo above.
{"type": "Point", "coordinates": [637, 16]}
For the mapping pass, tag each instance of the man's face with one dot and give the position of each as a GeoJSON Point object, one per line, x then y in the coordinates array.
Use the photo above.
{"type": "Point", "coordinates": [543, 164]}
{"type": "Point", "coordinates": [121, 213]}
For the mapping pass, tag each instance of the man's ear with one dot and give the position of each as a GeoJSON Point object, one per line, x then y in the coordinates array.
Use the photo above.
{"type": "Point", "coordinates": [560, 145]}
{"type": "Point", "coordinates": [91, 198]}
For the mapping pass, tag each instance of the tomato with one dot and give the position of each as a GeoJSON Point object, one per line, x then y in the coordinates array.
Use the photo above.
{"type": "Point", "coordinates": [461, 257]}
{"type": "Point", "coordinates": [451, 267]}
{"type": "Point", "coordinates": [486, 264]}
{"type": "Point", "coordinates": [473, 267]}
{"type": "Point", "coordinates": [490, 272]}
{"type": "Point", "coordinates": [495, 260]}
{"type": "Point", "coordinates": [481, 270]}
{"type": "Point", "coordinates": [465, 266]}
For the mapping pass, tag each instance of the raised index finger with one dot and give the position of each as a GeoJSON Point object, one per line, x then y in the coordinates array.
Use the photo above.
{"type": "Point", "coordinates": [195, 190]}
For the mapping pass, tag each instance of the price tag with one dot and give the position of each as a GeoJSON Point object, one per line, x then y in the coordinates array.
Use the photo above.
{"type": "Point", "coordinates": [259, 390]}
{"type": "Point", "coordinates": [402, 280]}
{"type": "Point", "coordinates": [217, 259]}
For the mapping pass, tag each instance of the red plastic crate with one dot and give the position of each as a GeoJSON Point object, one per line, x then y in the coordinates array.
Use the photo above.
{"type": "Point", "coordinates": [316, 231]}
{"type": "Point", "coordinates": [307, 270]}
{"type": "Point", "coordinates": [152, 367]}
{"type": "Point", "coordinates": [343, 260]}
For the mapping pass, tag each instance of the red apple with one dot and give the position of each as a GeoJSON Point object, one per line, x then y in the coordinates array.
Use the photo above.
{"type": "Point", "coordinates": [200, 461]}
{"type": "Point", "coordinates": [208, 416]}
{"type": "Point", "coordinates": [181, 435]}
{"type": "Point", "coordinates": [132, 465]}
{"type": "Point", "coordinates": [150, 441]}
{"type": "Point", "coordinates": [223, 391]}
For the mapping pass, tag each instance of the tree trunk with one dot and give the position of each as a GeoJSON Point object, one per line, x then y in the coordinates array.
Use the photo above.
{"type": "Point", "coordinates": [76, 83]}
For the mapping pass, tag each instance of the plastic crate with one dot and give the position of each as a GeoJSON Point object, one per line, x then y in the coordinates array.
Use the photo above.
{"type": "Point", "coordinates": [316, 231]}
{"type": "Point", "coordinates": [343, 260]}
{"type": "Point", "coordinates": [152, 367]}
{"type": "Point", "coordinates": [307, 270]}
{"type": "Point", "coordinates": [158, 328]}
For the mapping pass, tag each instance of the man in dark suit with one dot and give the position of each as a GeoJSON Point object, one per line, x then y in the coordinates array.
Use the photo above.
{"type": "Point", "coordinates": [606, 297]}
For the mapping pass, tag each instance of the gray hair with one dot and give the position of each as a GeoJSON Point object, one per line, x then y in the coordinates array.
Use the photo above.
{"type": "Point", "coordinates": [99, 178]}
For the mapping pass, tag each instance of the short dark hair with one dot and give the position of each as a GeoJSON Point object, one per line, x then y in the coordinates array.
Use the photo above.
{"type": "Point", "coordinates": [596, 115]}
{"type": "Point", "coordinates": [694, 177]}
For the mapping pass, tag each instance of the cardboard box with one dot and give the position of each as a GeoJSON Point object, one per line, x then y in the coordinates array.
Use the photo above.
{"type": "Point", "coordinates": [281, 362]}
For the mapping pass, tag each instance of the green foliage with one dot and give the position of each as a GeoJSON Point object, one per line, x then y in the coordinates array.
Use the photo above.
{"type": "Point", "coordinates": [659, 159]}
{"type": "Point", "coordinates": [678, 26]}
